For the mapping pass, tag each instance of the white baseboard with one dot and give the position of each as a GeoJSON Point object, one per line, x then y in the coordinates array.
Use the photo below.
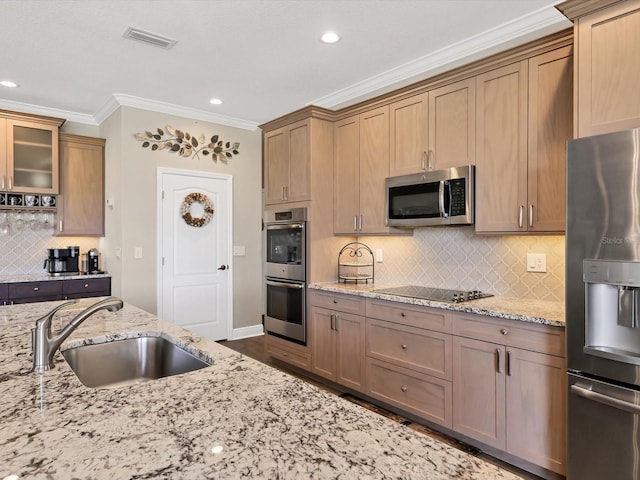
{"type": "Point", "coordinates": [246, 332]}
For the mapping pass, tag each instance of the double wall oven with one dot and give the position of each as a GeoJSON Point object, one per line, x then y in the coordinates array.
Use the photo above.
{"type": "Point", "coordinates": [285, 274]}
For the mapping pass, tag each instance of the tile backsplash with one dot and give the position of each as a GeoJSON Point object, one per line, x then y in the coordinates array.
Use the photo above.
{"type": "Point", "coordinates": [455, 257]}
{"type": "Point", "coordinates": [24, 251]}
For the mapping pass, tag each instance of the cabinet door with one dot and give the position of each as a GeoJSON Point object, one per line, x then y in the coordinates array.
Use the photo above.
{"type": "Point", "coordinates": [350, 334]}
{"type": "Point", "coordinates": [32, 157]}
{"type": "Point", "coordinates": [608, 67]}
{"type": "Point", "coordinates": [408, 139]}
{"type": "Point", "coordinates": [536, 408]}
{"type": "Point", "coordinates": [276, 165]}
{"type": "Point", "coordinates": [3, 154]}
{"type": "Point", "coordinates": [81, 200]}
{"type": "Point", "coordinates": [479, 391]}
{"type": "Point", "coordinates": [501, 154]}
{"type": "Point", "coordinates": [550, 126]}
{"type": "Point", "coordinates": [323, 343]}
{"type": "Point", "coordinates": [297, 188]}
{"type": "Point", "coordinates": [346, 205]}
{"type": "Point", "coordinates": [374, 168]}
{"type": "Point", "coordinates": [452, 125]}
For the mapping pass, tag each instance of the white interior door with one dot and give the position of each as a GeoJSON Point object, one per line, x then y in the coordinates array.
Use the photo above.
{"type": "Point", "coordinates": [195, 284]}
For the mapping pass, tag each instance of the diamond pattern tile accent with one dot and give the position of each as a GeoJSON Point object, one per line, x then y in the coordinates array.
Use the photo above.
{"type": "Point", "coordinates": [456, 257]}
{"type": "Point", "coordinates": [24, 249]}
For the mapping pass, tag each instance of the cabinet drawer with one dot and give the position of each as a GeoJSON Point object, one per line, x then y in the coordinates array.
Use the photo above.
{"type": "Point", "coordinates": [35, 289]}
{"type": "Point", "coordinates": [89, 285]}
{"type": "Point", "coordinates": [422, 350]}
{"type": "Point", "coordinates": [405, 314]}
{"type": "Point", "coordinates": [425, 396]}
{"type": "Point", "coordinates": [4, 293]}
{"type": "Point", "coordinates": [528, 336]}
{"type": "Point", "coordinates": [339, 302]}
{"type": "Point", "coordinates": [41, 298]}
{"type": "Point", "coordinates": [288, 352]}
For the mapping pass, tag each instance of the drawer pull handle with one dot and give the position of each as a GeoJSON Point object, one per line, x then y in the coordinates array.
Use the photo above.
{"type": "Point", "coordinates": [404, 346]}
{"type": "Point", "coordinates": [285, 354]}
{"type": "Point", "coordinates": [504, 331]}
{"type": "Point", "coordinates": [86, 285]}
{"type": "Point", "coordinates": [403, 314]}
{"type": "Point", "coordinates": [35, 289]}
{"type": "Point", "coordinates": [403, 388]}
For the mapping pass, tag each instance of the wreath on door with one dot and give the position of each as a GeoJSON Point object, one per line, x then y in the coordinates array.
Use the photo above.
{"type": "Point", "coordinates": [185, 209]}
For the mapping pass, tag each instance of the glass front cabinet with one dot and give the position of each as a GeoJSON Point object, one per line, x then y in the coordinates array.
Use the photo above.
{"type": "Point", "coordinates": [28, 153]}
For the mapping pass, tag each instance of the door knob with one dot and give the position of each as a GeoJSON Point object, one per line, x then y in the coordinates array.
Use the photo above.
{"type": "Point", "coordinates": [223, 267]}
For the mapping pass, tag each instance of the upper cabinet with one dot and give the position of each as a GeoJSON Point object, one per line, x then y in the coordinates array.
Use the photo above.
{"type": "Point", "coordinates": [28, 153]}
{"type": "Point", "coordinates": [607, 65]}
{"type": "Point", "coordinates": [361, 156]}
{"type": "Point", "coordinates": [433, 130]}
{"type": "Point", "coordinates": [287, 163]}
{"type": "Point", "coordinates": [524, 118]}
{"type": "Point", "coordinates": [81, 199]}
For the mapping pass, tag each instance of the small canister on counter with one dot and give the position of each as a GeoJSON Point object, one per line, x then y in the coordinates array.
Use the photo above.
{"type": "Point", "coordinates": [93, 260]}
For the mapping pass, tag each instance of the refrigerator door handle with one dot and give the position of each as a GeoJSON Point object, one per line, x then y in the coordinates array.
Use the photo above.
{"type": "Point", "coordinates": [605, 399]}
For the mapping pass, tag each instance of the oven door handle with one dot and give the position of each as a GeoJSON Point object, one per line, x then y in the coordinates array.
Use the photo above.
{"type": "Point", "coordinates": [296, 286]}
{"type": "Point", "coordinates": [283, 226]}
{"type": "Point", "coordinates": [605, 399]}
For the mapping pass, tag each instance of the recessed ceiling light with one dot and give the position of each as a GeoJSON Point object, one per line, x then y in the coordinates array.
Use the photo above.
{"type": "Point", "coordinates": [330, 37]}
{"type": "Point", "coordinates": [8, 83]}
{"type": "Point", "coordinates": [215, 101]}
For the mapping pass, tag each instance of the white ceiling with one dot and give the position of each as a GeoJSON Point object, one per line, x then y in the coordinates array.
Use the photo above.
{"type": "Point", "coordinates": [263, 58]}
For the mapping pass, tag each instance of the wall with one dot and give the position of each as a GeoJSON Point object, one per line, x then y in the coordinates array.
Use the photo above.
{"type": "Point", "coordinates": [455, 258]}
{"type": "Point", "coordinates": [131, 182]}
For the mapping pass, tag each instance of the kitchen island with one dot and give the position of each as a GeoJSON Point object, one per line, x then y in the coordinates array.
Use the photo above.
{"type": "Point", "coordinates": [237, 418]}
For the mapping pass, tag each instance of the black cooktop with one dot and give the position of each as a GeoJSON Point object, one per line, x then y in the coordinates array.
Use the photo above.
{"type": "Point", "coordinates": [435, 294]}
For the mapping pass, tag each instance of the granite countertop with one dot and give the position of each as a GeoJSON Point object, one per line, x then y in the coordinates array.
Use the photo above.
{"type": "Point", "coordinates": [266, 423]}
{"type": "Point", "coordinates": [511, 308]}
{"type": "Point", "coordinates": [42, 277]}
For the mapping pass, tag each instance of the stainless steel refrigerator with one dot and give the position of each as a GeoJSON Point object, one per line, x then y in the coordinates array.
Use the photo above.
{"type": "Point", "coordinates": [603, 306]}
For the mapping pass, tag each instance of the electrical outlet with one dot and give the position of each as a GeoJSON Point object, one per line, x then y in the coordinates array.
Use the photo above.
{"type": "Point", "coordinates": [537, 262]}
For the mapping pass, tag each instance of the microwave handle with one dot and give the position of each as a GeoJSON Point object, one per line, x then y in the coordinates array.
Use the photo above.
{"type": "Point", "coordinates": [441, 194]}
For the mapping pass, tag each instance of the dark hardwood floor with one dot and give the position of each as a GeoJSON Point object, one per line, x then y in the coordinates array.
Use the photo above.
{"type": "Point", "coordinates": [254, 347]}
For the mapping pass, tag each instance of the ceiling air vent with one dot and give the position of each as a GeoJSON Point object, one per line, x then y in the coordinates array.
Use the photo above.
{"type": "Point", "coordinates": [148, 37]}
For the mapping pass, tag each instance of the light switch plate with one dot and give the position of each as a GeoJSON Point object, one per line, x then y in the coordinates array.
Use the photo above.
{"type": "Point", "coordinates": [239, 251]}
{"type": "Point", "coordinates": [379, 255]}
{"type": "Point", "coordinates": [137, 252]}
{"type": "Point", "coordinates": [537, 262]}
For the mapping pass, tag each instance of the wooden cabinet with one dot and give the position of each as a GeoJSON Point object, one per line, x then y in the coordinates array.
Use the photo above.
{"type": "Point", "coordinates": [336, 336]}
{"type": "Point", "coordinates": [408, 366]}
{"type": "Point", "coordinates": [28, 153]}
{"type": "Point", "coordinates": [287, 163]}
{"type": "Point", "coordinates": [361, 156]}
{"type": "Point", "coordinates": [433, 130]}
{"type": "Point", "coordinates": [509, 388]}
{"type": "Point", "coordinates": [288, 352]}
{"type": "Point", "coordinates": [607, 65]}
{"type": "Point", "coordinates": [81, 199]}
{"type": "Point", "coordinates": [4, 293]}
{"type": "Point", "coordinates": [30, 292]}
{"type": "Point", "coordinates": [86, 287]}
{"type": "Point", "coordinates": [524, 113]}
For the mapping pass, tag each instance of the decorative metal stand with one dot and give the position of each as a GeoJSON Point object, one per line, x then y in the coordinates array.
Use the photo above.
{"type": "Point", "coordinates": [355, 263]}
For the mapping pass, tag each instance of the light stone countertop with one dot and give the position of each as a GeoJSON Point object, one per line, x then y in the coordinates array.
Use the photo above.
{"type": "Point", "coordinates": [269, 424]}
{"type": "Point", "coordinates": [41, 277]}
{"type": "Point", "coordinates": [511, 308]}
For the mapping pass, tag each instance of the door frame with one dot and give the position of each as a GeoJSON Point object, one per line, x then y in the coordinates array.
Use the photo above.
{"type": "Point", "coordinates": [159, 242]}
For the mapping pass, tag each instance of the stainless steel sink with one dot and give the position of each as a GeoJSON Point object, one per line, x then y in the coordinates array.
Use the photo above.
{"type": "Point", "coordinates": [126, 362]}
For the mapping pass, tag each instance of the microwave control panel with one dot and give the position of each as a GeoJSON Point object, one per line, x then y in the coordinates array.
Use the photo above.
{"type": "Point", "coordinates": [457, 195]}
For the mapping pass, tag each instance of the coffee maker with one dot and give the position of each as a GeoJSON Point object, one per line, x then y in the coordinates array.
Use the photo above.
{"type": "Point", "coordinates": [62, 261]}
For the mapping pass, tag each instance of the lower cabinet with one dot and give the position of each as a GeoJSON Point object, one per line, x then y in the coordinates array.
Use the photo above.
{"type": "Point", "coordinates": [511, 398]}
{"type": "Point", "coordinates": [289, 352]}
{"type": "Point", "coordinates": [53, 290]}
{"type": "Point", "coordinates": [337, 339]}
{"type": "Point", "coordinates": [4, 293]}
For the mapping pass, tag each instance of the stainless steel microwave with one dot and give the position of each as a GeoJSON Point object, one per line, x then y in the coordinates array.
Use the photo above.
{"type": "Point", "coordinates": [437, 197]}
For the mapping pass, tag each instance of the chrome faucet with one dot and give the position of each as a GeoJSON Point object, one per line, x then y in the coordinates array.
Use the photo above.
{"type": "Point", "coordinates": [45, 346]}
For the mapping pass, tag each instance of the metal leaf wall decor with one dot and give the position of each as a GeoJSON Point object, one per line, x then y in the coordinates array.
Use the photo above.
{"type": "Point", "coordinates": [187, 145]}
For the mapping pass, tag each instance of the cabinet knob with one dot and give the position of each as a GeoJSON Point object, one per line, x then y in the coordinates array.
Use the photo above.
{"type": "Point", "coordinates": [504, 331]}
{"type": "Point", "coordinates": [403, 388]}
{"type": "Point", "coordinates": [402, 314]}
{"type": "Point", "coordinates": [404, 346]}
{"type": "Point", "coordinates": [86, 285]}
{"type": "Point", "coordinates": [35, 289]}
{"type": "Point", "coordinates": [335, 301]}
{"type": "Point", "coordinates": [285, 354]}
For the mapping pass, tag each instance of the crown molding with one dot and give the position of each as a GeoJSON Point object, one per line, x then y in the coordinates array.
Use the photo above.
{"type": "Point", "coordinates": [541, 22]}
{"type": "Point", "coordinates": [120, 99]}
{"type": "Point", "coordinates": [48, 112]}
